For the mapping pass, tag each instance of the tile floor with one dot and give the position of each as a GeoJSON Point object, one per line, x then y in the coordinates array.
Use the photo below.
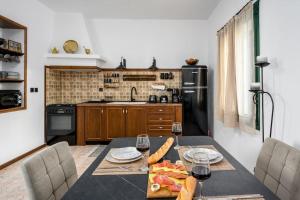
{"type": "Point", "coordinates": [12, 184]}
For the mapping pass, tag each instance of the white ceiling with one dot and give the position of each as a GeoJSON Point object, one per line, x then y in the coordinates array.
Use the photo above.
{"type": "Point", "coordinates": [136, 9]}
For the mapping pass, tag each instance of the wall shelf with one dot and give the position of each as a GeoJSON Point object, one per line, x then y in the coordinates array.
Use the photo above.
{"type": "Point", "coordinates": [74, 68]}
{"type": "Point", "coordinates": [12, 53]}
{"type": "Point", "coordinates": [17, 32]}
{"type": "Point", "coordinates": [11, 81]}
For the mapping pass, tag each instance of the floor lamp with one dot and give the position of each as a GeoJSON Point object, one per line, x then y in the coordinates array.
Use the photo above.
{"type": "Point", "coordinates": [259, 90]}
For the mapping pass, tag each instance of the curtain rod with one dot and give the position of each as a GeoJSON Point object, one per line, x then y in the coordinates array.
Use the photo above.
{"type": "Point", "coordinates": [253, 1]}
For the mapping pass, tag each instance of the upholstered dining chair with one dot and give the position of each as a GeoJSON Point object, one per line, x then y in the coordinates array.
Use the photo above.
{"type": "Point", "coordinates": [278, 167]}
{"type": "Point", "coordinates": [50, 173]}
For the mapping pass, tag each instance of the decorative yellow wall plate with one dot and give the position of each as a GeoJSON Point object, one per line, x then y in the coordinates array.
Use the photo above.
{"type": "Point", "coordinates": [71, 46]}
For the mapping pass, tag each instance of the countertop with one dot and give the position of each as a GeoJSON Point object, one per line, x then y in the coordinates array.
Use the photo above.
{"type": "Point", "coordinates": [125, 103]}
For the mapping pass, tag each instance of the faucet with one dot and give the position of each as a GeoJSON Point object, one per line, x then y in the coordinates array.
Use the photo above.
{"type": "Point", "coordinates": [131, 95]}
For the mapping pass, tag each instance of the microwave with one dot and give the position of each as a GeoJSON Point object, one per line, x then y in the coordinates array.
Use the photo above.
{"type": "Point", "coordinates": [10, 98]}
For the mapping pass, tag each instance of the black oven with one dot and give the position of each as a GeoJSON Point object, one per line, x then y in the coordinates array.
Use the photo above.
{"type": "Point", "coordinates": [60, 123]}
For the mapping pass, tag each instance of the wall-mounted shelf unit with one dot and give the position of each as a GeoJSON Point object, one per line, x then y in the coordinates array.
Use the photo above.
{"type": "Point", "coordinates": [143, 69]}
{"type": "Point", "coordinates": [10, 52]}
{"type": "Point", "coordinates": [74, 68]}
{"type": "Point", "coordinates": [11, 81]}
{"type": "Point", "coordinates": [13, 31]}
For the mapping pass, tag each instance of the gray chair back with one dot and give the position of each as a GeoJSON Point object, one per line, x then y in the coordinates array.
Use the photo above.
{"type": "Point", "coordinates": [50, 173]}
{"type": "Point", "coordinates": [277, 167]}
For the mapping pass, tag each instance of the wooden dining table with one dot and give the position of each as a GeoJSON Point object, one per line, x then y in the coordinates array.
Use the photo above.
{"type": "Point", "coordinates": [134, 187]}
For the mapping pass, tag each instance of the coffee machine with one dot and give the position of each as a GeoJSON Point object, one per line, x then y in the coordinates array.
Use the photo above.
{"type": "Point", "coordinates": [176, 98]}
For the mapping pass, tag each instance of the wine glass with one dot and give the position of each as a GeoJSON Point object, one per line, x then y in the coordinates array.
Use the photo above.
{"type": "Point", "coordinates": [143, 145]}
{"type": "Point", "coordinates": [201, 170]}
{"type": "Point", "coordinates": [176, 130]}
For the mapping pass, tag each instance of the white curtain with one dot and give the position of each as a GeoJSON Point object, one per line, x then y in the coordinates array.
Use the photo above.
{"type": "Point", "coordinates": [245, 70]}
{"type": "Point", "coordinates": [236, 71]}
{"type": "Point", "coordinates": [226, 108]}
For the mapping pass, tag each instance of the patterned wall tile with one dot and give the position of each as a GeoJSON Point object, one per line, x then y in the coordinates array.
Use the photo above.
{"type": "Point", "coordinates": [77, 87]}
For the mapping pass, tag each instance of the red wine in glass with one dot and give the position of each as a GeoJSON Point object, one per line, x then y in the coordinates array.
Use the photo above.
{"type": "Point", "coordinates": [201, 173]}
{"type": "Point", "coordinates": [142, 149]}
{"type": "Point", "coordinates": [143, 145]}
{"type": "Point", "coordinates": [201, 169]}
{"type": "Point", "coordinates": [176, 132]}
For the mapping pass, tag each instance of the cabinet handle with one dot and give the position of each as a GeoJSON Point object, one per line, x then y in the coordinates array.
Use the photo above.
{"type": "Point", "coordinates": [102, 111]}
{"type": "Point", "coordinates": [189, 91]}
{"type": "Point", "coordinates": [160, 119]}
{"type": "Point", "coordinates": [160, 110]}
{"type": "Point", "coordinates": [123, 111]}
{"type": "Point", "coordinates": [160, 127]}
{"type": "Point", "coordinates": [126, 111]}
{"type": "Point", "coordinates": [189, 83]}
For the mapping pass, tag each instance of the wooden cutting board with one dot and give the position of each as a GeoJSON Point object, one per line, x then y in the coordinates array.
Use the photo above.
{"type": "Point", "coordinates": [161, 193]}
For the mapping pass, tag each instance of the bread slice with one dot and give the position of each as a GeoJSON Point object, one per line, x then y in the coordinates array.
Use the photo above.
{"type": "Point", "coordinates": [154, 158]}
{"type": "Point", "coordinates": [188, 189]}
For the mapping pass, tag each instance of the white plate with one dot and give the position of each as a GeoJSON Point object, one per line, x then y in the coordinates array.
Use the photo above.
{"type": "Point", "coordinates": [109, 158]}
{"type": "Point", "coordinates": [210, 153]}
{"type": "Point", "coordinates": [125, 153]}
{"type": "Point", "coordinates": [214, 161]}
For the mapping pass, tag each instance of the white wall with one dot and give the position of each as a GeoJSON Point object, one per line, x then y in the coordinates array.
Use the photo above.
{"type": "Point", "coordinates": [170, 41]}
{"type": "Point", "coordinates": [70, 26]}
{"type": "Point", "coordinates": [280, 42]}
{"type": "Point", "coordinates": [24, 130]}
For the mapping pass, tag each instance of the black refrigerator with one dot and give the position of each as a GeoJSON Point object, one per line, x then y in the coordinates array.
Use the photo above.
{"type": "Point", "coordinates": [194, 100]}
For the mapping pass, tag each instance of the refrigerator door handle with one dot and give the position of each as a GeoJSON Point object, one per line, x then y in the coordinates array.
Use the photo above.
{"type": "Point", "coordinates": [189, 91]}
{"type": "Point", "coordinates": [188, 83]}
{"type": "Point", "coordinates": [194, 72]}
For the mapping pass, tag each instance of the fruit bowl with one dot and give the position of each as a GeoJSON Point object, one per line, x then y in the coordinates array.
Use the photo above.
{"type": "Point", "coordinates": [192, 61]}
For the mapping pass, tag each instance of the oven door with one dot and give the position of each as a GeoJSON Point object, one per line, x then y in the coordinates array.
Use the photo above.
{"type": "Point", "coordinates": [60, 124]}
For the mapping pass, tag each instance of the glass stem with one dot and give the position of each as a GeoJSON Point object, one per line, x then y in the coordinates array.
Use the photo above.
{"type": "Point", "coordinates": [201, 190]}
{"type": "Point", "coordinates": [177, 144]}
{"type": "Point", "coordinates": [144, 160]}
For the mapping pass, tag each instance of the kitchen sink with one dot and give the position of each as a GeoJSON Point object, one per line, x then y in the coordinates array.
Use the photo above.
{"type": "Point", "coordinates": [128, 102]}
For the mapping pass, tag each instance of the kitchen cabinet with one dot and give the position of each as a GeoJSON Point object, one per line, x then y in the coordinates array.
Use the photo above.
{"type": "Point", "coordinates": [102, 122]}
{"type": "Point", "coordinates": [135, 121]}
{"type": "Point", "coordinates": [159, 120]}
{"type": "Point", "coordinates": [115, 122]}
{"type": "Point", "coordinates": [94, 123]}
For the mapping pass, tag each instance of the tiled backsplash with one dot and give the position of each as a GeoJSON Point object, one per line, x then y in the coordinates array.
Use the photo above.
{"type": "Point", "coordinates": [76, 87]}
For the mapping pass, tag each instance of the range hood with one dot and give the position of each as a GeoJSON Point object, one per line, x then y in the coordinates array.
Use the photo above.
{"type": "Point", "coordinates": [75, 62]}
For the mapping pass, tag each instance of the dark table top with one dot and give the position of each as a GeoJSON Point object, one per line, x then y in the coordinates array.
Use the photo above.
{"type": "Point", "coordinates": [131, 187]}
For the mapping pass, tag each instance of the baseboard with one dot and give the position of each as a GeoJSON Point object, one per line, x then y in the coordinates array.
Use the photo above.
{"type": "Point", "coordinates": [21, 156]}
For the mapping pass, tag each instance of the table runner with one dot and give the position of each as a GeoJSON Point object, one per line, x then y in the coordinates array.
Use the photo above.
{"type": "Point", "coordinates": [221, 166]}
{"type": "Point", "coordinates": [108, 168]}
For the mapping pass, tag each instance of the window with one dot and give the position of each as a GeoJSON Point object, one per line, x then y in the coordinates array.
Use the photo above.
{"type": "Point", "coordinates": [237, 51]}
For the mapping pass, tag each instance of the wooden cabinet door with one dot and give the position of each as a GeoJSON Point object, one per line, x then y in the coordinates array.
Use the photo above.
{"type": "Point", "coordinates": [93, 123]}
{"type": "Point", "coordinates": [135, 121]}
{"type": "Point", "coordinates": [115, 122]}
